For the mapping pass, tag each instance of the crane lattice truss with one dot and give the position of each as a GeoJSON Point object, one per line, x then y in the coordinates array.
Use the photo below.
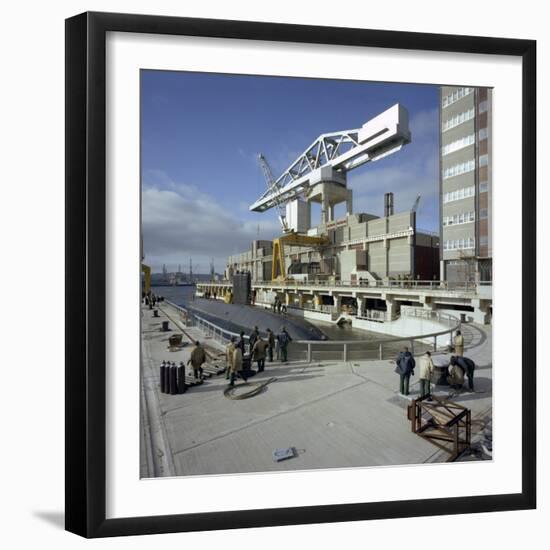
{"type": "Point", "coordinates": [272, 187]}
{"type": "Point", "coordinates": [340, 151]}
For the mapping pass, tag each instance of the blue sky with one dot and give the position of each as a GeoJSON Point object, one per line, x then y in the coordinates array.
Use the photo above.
{"type": "Point", "coordinates": [201, 134]}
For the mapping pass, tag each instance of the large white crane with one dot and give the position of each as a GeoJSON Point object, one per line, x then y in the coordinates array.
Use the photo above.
{"type": "Point", "coordinates": [332, 155]}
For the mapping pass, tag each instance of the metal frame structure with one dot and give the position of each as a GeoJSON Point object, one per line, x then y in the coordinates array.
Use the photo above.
{"type": "Point", "coordinates": [442, 423]}
{"type": "Point", "coordinates": [278, 268]}
{"type": "Point", "coordinates": [340, 151]}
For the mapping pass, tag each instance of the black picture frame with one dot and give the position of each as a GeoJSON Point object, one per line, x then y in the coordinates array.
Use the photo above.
{"type": "Point", "coordinates": [86, 260]}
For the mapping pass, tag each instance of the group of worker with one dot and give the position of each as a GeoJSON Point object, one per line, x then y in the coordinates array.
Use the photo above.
{"type": "Point", "coordinates": [459, 367]}
{"type": "Point", "coordinates": [260, 349]}
{"type": "Point", "coordinates": [278, 306]}
{"type": "Point", "coordinates": [151, 299]}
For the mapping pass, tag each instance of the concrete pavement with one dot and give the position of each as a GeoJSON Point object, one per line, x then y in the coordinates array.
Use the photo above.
{"type": "Point", "coordinates": [335, 414]}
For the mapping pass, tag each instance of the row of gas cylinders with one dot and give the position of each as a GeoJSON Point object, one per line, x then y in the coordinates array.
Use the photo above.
{"type": "Point", "coordinates": [172, 378]}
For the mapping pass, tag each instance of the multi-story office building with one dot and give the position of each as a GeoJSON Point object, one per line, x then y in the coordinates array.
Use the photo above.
{"type": "Point", "coordinates": [465, 183]}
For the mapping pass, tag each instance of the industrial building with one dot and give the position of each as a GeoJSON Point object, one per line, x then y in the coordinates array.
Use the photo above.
{"type": "Point", "coordinates": [359, 248]}
{"type": "Point", "coordinates": [367, 265]}
{"type": "Point", "coordinates": [465, 184]}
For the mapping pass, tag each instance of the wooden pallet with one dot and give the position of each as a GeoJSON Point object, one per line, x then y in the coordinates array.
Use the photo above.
{"type": "Point", "coordinates": [190, 381]}
{"type": "Point", "coordinates": [214, 369]}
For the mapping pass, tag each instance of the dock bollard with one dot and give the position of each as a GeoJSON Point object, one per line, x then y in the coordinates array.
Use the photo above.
{"type": "Point", "coordinates": [155, 313]}
{"type": "Point", "coordinates": [165, 326]}
{"type": "Point", "coordinates": [162, 377]}
{"type": "Point", "coordinates": [182, 386]}
{"type": "Point", "coordinates": [173, 379]}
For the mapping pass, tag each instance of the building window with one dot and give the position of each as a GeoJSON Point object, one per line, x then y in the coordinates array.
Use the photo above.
{"type": "Point", "coordinates": [459, 93]}
{"type": "Point", "coordinates": [483, 106]}
{"type": "Point", "coordinates": [459, 244]}
{"type": "Point", "coordinates": [457, 219]}
{"type": "Point", "coordinates": [483, 134]}
{"type": "Point", "coordinates": [483, 214]}
{"type": "Point", "coordinates": [483, 240]}
{"type": "Point", "coordinates": [483, 186]}
{"type": "Point", "coordinates": [484, 160]}
{"type": "Point", "coordinates": [458, 119]}
{"type": "Point", "coordinates": [458, 144]}
{"type": "Point", "coordinates": [458, 169]}
{"type": "Point", "coordinates": [459, 194]}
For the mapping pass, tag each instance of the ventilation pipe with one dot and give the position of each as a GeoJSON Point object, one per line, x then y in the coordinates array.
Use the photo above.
{"type": "Point", "coordinates": [388, 204]}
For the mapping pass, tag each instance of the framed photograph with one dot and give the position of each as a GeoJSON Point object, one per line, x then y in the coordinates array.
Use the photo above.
{"type": "Point", "coordinates": [300, 274]}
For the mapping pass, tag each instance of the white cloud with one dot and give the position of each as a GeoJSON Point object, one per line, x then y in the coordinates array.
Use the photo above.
{"type": "Point", "coordinates": [179, 222]}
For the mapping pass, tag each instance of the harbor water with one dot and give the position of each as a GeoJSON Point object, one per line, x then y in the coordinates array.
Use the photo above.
{"type": "Point", "coordinates": [183, 296]}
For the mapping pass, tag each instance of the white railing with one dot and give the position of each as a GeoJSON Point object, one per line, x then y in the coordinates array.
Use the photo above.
{"type": "Point", "coordinates": [405, 284]}
{"type": "Point", "coordinates": [215, 332]}
{"type": "Point", "coordinates": [343, 350]}
{"type": "Point", "coordinates": [374, 315]}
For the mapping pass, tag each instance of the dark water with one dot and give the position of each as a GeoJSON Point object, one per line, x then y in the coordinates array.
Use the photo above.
{"type": "Point", "coordinates": [183, 295]}
{"type": "Point", "coordinates": [180, 295]}
{"type": "Point", "coordinates": [366, 344]}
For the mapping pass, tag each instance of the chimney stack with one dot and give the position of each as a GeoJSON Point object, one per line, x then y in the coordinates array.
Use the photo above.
{"type": "Point", "coordinates": [388, 204]}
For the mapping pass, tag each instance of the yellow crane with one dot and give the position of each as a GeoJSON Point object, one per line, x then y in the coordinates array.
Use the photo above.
{"type": "Point", "coordinates": [146, 270]}
{"type": "Point", "coordinates": [278, 269]}
{"type": "Point", "coordinates": [290, 237]}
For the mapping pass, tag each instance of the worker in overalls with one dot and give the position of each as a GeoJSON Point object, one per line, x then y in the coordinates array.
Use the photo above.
{"type": "Point", "coordinates": [271, 342]}
{"type": "Point", "coordinates": [405, 368]}
{"type": "Point", "coordinates": [198, 357]}
{"type": "Point", "coordinates": [241, 343]}
{"type": "Point", "coordinates": [252, 338]}
{"type": "Point", "coordinates": [259, 352]}
{"type": "Point", "coordinates": [459, 344]}
{"type": "Point", "coordinates": [426, 368]}
{"type": "Point", "coordinates": [284, 339]}
{"type": "Point", "coordinates": [230, 348]}
{"type": "Point", "coordinates": [237, 366]}
{"type": "Point", "coordinates": [468, 366]}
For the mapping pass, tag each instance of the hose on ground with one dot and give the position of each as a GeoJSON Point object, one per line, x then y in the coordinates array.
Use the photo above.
{"type": "Point", "coordinates": [229, 392]}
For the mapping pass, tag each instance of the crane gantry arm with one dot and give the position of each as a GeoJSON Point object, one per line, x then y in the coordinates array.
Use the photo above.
{"type": "Point", "coordinates": [340, 151]}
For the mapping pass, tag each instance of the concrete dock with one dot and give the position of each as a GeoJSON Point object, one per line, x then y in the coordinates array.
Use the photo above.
{"type": "Point", "coordinates": [335, 414]}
